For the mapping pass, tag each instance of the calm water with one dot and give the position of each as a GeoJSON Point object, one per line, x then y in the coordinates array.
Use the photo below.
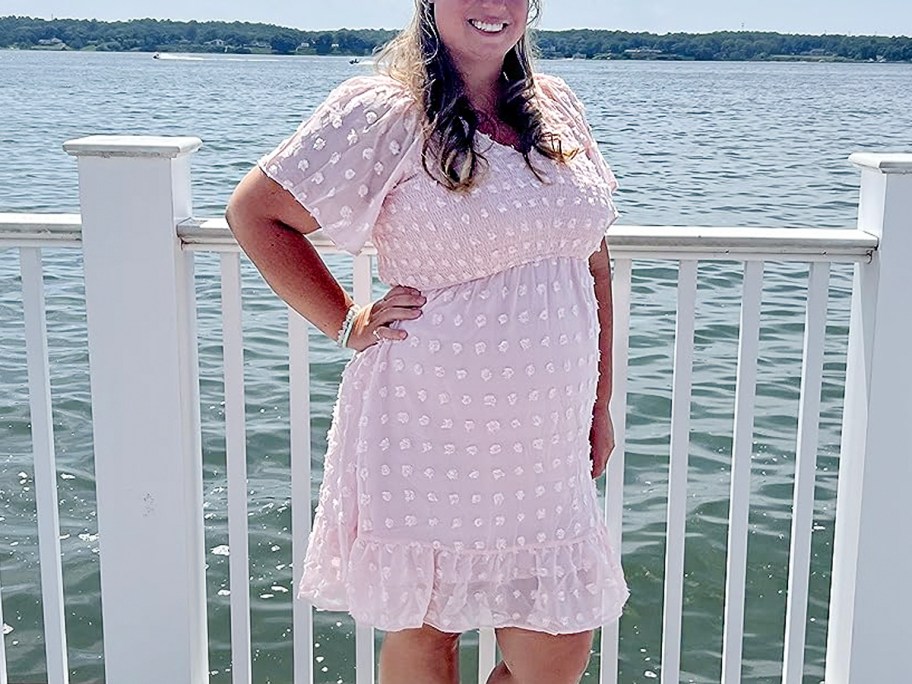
{"type": "Point", "coordinates": [701, 144]}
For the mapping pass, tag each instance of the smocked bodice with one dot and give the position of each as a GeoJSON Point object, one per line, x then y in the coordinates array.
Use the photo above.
{"type": "Point", "coordinates": [427, 236]}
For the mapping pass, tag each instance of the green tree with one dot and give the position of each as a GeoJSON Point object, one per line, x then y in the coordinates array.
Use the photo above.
{"type": "Point", "coordinates": [352, 42]}
{"type": "Point", "coordinates": [323, 43]}
{"type": "Point", "coordinates": [284, 43]}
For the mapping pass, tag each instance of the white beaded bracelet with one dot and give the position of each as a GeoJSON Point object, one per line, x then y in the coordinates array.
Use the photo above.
{"type": "Point", "coordinates": [347, 325]}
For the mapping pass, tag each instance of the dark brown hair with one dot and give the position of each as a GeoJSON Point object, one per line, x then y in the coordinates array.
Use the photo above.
{"type": "Point", "coordinates": [418, 58]}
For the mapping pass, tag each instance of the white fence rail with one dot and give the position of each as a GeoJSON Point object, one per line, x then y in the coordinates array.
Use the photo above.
{"type": "Point", "coordinates": [138, 250]}
{"type": "Point", "coordinates": [45, 473]}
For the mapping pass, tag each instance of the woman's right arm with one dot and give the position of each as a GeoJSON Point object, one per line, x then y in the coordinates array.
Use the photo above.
{"type": "Point", "coordinates": [270, 226]}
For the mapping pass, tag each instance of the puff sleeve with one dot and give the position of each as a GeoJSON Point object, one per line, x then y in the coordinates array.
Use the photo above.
{"type": "Point", "coordinates": [342, 162]}
{"type": "Point", "coordinates": [575, 111]}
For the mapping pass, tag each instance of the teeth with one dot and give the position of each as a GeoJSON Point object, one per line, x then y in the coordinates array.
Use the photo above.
{"type": "Point", "coordinates": [487, 28]}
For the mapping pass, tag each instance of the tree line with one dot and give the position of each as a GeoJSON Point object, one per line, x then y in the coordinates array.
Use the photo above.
{"type": "Point", "coordinates": [154, 35]}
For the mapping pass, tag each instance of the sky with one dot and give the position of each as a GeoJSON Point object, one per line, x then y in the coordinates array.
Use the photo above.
{"type": "Point", "coordinates": [880, 17]}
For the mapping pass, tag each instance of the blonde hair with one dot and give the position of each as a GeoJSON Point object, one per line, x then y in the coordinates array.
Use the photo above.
{"type": "Point", "coordinates": [418, 58]}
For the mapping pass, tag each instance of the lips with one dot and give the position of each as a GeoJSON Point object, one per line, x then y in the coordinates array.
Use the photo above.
{"type": "Point", "coordinates": [490, 27]}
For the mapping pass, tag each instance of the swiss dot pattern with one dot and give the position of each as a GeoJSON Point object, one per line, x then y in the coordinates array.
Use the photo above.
{"type": "Point", "coordinates": [456, 486]}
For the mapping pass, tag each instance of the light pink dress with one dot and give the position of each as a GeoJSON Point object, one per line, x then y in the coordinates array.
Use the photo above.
{"type": "Point", "coordinates": [457, 488]}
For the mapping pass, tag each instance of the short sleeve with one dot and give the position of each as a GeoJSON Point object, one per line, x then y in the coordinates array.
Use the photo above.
{"type": "Point", "coordinates": [575, 110]}
{"type": "Point", "coordinates": [342, 162]}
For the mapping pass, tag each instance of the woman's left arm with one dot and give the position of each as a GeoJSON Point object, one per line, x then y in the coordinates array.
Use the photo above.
{"type": "Point", "coordinates": [602, 433]}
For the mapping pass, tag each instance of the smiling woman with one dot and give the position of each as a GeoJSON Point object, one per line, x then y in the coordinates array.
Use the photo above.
{"type": "Point", "coordinates": [458, 485]}
{"type": "Point", "coordinates": [471, 80]}
{"type": "Point", "coordinates": [503, 22]}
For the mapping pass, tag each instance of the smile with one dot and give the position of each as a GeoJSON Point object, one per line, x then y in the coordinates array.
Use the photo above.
{"type": "Point", "coordinates": [487, 28]}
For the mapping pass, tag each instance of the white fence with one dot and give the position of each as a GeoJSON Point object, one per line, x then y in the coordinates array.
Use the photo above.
{"type": "Point", "coordinates": [138, 235]}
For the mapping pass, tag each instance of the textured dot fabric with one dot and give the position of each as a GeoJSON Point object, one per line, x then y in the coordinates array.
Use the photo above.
{"type": "Point", "coordinates": [457, 488]}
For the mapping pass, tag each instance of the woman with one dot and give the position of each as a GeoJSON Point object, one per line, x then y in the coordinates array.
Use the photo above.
{"type": "Point", "coordinates": [458, 484]}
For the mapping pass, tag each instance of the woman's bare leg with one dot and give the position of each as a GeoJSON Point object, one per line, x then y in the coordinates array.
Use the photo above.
{"type": "Point", "coordinates": [422, 655]}
{"type": "Point", "coordinates": [531, 657]}
{"type": "Point", "coordinates": [500, 675]}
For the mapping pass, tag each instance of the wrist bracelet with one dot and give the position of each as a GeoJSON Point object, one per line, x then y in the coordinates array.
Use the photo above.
{"type": "Point", "coordinates": [347, 325]}
{"type": "Point", "coordinates": [347, 333]}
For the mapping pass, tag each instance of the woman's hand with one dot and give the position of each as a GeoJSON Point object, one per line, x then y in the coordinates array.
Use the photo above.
{"type": "Point", "coordinates": [399, 304]}
{"type": "Point", "coordinates": [601, 439]}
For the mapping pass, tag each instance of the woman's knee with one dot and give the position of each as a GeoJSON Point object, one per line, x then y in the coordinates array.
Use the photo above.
{"type": "Point", "coordinates": [540, 658]}
{"type": "Point", "coordinates": [421, 649]}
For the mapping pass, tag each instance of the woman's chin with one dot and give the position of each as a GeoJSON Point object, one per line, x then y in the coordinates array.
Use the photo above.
{"type": "Point", "coordinates": [478, 39]}
{"type": "Point", "coordinates": [476, 54]}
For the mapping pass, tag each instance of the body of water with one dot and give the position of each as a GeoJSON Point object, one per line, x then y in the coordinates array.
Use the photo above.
{"type": "Point", "coordinates": [746, 144]}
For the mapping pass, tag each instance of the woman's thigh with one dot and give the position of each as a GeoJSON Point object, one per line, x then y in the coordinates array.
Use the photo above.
{"type": "Point", "coordinates": [541, 658]}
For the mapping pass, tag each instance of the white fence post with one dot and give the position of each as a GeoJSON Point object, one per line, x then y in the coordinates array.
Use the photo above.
{"type": "Point", "coordinates": [870, 602]}
{"type": "Point", "coordinates": [145, 406]}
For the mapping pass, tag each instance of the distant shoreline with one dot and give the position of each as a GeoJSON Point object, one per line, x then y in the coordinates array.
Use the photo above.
{"type": "Point", "coordinates": [770, 59]}
{"type": "Point", "coordinates": [153, 35]}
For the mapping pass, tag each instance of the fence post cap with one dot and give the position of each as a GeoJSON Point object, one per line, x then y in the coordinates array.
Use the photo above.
{"type": "Point", "coordinates": [147, 146]}
{"type": "Point", "coordinates": [895, 162]}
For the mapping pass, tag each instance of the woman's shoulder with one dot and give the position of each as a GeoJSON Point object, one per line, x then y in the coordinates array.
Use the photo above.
{"type": "Point", "coordinates": [372, 96]}
{"type": "Point", "coordinates": [550, 82]}
{"type": "Point", "coordinates": [557, 92]}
